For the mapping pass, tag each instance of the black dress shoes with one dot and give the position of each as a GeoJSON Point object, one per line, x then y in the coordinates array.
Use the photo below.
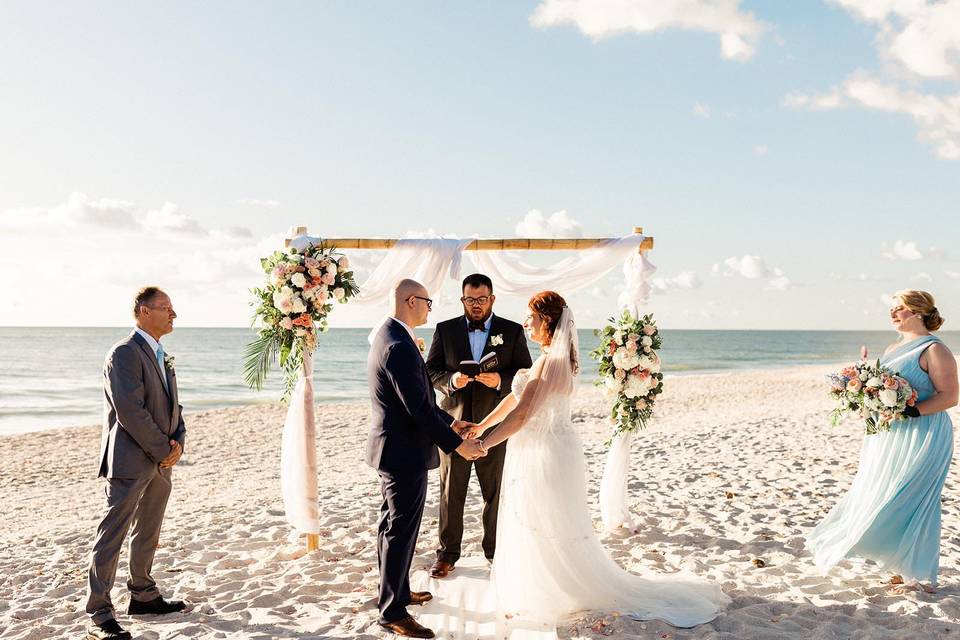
{"type": "Point", "coordinates": [109, 630]}
{"type": "Point", "coordinates": [157, 606]}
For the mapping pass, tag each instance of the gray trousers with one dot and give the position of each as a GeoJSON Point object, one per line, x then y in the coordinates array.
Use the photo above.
{"type": "Point", "coordinates": [454, 482]}
{"type": "Point", "coordinates": [131, 502]}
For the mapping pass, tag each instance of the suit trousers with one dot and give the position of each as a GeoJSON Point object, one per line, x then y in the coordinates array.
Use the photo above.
{"type": "Point", "coordinates": [404, 495]}
{"type": "Point", "coordinates": [137, 503]}
{"type": "Point", "coordinates": [454, 482]}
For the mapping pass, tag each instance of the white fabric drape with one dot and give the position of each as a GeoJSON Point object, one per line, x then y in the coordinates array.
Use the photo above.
{"type": "Point", "coordinates": [298, 455]}
{"type": "Point", "coordinates": [513, 276]}
{"type": "Point", "coordinates": [614, 510]}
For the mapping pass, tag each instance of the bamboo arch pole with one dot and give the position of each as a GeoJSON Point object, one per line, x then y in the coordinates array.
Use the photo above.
{"type": "Point", "coordinates": [485, 244]}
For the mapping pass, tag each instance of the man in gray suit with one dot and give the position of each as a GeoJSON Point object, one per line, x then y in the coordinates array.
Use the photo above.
{"type": "Point", "coordinates": [143, 437]}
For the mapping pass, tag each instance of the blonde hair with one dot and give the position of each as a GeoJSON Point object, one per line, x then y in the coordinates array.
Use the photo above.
{"type": "Point", "coordinates": [922, 304]}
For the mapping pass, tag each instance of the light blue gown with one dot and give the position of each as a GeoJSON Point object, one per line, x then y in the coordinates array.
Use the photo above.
{"type": "Point", "coordinates": [891, 514]}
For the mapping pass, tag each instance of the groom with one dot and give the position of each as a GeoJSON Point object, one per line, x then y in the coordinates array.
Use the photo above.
{"type": "Point", "coordinates": [143, 435]}
{"type": "Point", "coordinates": [469, 337]}
{"type": "Point", "coordinates": [406, 429]}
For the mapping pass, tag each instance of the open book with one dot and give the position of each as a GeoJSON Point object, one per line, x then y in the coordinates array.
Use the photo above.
{"type": "Point", "coordinates": [471, 368]}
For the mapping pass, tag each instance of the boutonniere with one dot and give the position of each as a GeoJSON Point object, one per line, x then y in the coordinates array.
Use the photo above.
{"type": "Point", "coordinates": [497, 340]}
{"type": "Point", "coordinates": [168, 360]}
{"type": "Point", "coordinates": [421, 345]}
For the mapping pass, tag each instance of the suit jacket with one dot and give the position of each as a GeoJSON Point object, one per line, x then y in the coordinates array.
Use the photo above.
{"type": "Point", "coordinates": [140, 414]}
{"type": "Point", "coordinates": [451, 345]}
{"type": "Point", "coordinates": [407, 425]}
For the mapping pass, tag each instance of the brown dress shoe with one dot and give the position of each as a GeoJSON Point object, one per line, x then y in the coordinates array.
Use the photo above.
{"type": "Point", "coordinates": [420, 597]}
{"type": "Point", "coordinates": [408, 627]}
{"type": "Point", "coordinates": [441, 569]}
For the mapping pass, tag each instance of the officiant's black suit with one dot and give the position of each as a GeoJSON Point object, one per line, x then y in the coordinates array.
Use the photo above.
{"type": "Point", "coordinates": [450, 346]}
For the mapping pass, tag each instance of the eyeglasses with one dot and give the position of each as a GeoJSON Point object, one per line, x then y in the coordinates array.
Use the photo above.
{"type": "Point", "coordinates": [472, 301]}
{"type": "Point", "coordinates": [427, 300]}
{"type": "Point", "coordinates": [164, 308]}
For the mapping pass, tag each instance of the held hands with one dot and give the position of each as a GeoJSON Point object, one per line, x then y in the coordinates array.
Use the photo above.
{"type": "Point", "coordinates": [175, 452]}
{"type": "Point", "coordinates": [471, 449]}
{"type": "Point", "coordinates": [468, 430]}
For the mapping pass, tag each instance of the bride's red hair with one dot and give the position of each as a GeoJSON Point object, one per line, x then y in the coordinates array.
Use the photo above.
{"type": "Point", "coordinates": [549, 306]}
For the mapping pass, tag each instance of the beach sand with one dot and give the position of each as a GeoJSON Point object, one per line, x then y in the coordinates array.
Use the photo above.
{"type": "Point", "coordinates": [737, 467]}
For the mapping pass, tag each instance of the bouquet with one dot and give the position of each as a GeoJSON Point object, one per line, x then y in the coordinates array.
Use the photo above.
{"type": "Point", "coordinates": [299, 295]}
{"type": "Point", "coordinates": [629, 370]}
{"type": "Point", "coordinates": [876, 393]}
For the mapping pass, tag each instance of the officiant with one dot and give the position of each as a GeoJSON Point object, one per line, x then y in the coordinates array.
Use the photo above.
{"type": "Point", "coordinates": [497, 348]}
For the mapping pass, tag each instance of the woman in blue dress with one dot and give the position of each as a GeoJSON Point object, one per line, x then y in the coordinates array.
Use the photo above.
{"type": "Point", "coordinates": [891, 514]}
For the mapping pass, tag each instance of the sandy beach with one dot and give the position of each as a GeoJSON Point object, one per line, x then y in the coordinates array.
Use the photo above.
{"type": "Point", "coordinates": [737, 469]}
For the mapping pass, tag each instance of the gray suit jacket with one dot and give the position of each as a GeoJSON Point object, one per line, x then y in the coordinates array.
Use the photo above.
{"type": "Point", "coordinates": [140, 416]}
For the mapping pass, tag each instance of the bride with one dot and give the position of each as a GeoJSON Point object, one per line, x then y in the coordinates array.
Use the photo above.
{"type": "Point", "coordinates": [549, 562]}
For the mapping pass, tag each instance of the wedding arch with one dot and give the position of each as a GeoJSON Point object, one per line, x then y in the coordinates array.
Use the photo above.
{"type": "Point", "coordinates": [432, 261]}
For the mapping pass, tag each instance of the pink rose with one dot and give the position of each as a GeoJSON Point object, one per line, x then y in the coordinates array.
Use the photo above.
{"type": "Point", "coordinates": [329, 278]}
{"type": "Point", "coordinates": [854, 385]}
{"type": "Point", "coordinates": [849, 372]}
{"type": "Point", "coordinates": [287, 323]}
{"type": "Point", "coordinates": [631, 346]}
{"type": "Point", "coordinates": [641, 404]}
{"type": "Point", "coordinates": [890, 383]}
{"type": "Point", "coordinates": [649, 329]}
{"type": "Point", "coordinates": [311, 263]}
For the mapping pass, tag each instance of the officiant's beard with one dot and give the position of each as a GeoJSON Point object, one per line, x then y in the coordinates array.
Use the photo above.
{"type": "Point", "coordinates": [480, 316]}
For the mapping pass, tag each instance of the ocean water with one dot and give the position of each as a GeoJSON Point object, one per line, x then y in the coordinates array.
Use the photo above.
{"type": "Point", "coordinates": [51, 377]}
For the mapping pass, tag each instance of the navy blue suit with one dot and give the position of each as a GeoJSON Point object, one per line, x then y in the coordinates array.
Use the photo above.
{"type": "Point", "coordinates": [406, 428]}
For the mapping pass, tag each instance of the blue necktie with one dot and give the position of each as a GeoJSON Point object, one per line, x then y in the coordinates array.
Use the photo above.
{"type": "Point", "coordinates": [163, 369]}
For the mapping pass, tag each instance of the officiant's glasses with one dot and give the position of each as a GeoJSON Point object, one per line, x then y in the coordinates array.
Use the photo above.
{"type": "Point", "coordinates": [482, 300]}
{"type": "Point", "coordinates": [427, 300]}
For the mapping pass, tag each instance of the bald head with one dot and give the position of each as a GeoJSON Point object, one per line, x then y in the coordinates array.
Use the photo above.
{"type": "Point", "coordinates": [410, 302]}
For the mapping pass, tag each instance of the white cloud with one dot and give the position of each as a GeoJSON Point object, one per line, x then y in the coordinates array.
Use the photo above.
{"type": "Point", "coordinates": [953, 275]}
{"type": "Point", "coordinates": [255, 202]}
{"type": "Point", "coordinates": [750, 267]}
{"type": "Point", "coordinates": [683, 280]}
{"type": "Point", "coordinates": [920, 36]}
{"type": "Point", "coordinates": [901, 251]}
{"type": "Point", "coordinates": [110, 247]}
{"type": "Point", "coordinates": [780, 283]}
{"type": "Point", "coordinates": [760, 149]}
{"type": "Point", "coordinates": [702, 110]}
{"type": "Point", "coordinates": [937, 117]}
{"type": "Point", "coordinates": [923, 276]}
{"type": "Point", "coordinates": [739, 30]}
{"type": "Point", "coordinates": [558, 225]}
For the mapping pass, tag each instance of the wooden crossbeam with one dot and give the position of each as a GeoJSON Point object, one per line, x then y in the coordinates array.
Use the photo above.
{"type": "Point", "coordinates": [485, 244]}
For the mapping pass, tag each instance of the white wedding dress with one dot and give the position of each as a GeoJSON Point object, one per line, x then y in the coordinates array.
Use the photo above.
{"type": "Point", "coordinates": [549, 563]}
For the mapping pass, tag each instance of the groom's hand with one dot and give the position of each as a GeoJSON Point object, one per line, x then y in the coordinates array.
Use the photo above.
{"type": "Point", "coordinates": [175, 452]}
{"type": "Point", "coordinates": [467, 430]}
{"type": "Point", "coordinates": [471, 449]}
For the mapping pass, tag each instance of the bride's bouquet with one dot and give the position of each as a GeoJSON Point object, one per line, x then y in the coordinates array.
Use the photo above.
{"type": "Point", "coordinates": [299, 295]}
{"type": "Point", "coordinates": [629, 370]}
{"type": "Point", "coordinates": [877, 394]}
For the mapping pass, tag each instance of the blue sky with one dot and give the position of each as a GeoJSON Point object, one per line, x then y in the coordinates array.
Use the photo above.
{"type": "Point", "coordinates": [777, 151]}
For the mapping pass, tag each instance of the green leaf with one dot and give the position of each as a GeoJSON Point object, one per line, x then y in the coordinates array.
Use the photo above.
{"type": "Point", "coordinates": [257, 358]}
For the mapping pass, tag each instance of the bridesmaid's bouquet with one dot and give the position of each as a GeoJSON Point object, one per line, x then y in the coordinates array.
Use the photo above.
{"type": "Point", "coordinates": [629, 370]}
{"type": "Point", "coordinates": [299, 293]}
{"type": "Point", "coordinates": [877, 394]}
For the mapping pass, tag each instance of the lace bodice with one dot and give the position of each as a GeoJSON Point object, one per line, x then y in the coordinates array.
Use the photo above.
{"type": "Point", "coordinates": [520, 380]}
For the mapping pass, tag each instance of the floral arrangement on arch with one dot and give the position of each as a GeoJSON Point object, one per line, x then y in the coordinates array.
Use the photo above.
{"type": "Point", "coordinates": [292, 307]}
{"type": "Point", "coordinates": [629, 370]}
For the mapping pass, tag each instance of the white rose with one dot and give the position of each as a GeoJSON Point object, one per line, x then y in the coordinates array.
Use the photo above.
{"type": "Point", "coordinates": [888, 397]}
{"type": "Point", "coordinates": [283, 299]}
{"type": "Point", "coordinates": [300, 331]}
{"type": "Point", "coordinates": [309, 294]}
{"type": "Point", "coordinates": [332, 268]}
{"type": "Point", "coordinates": [620, 375]}
{"type": "Point", "coordinates": [287, 323]}
{"type": "Point", "coordinates": [623, 359]}
{"type": "Point", "coordinates": [343, 263]}
{"type": "Point", "coordinates": [874, 382]}
{"type": "Point", "coordinates": [298, 280]}
{"type": "Point", "coordinates": [635, 387]}
{"type": "Point", "coordinates": [298, 305]}
{"type": "Point", "coordinates": [646, 341]}
{"type": "Point", "coordinates": [339, 293]}
{"type": "Point", "coordinates": [611, 387]}
{"type": "Point", "coordinates": [618, 337]}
